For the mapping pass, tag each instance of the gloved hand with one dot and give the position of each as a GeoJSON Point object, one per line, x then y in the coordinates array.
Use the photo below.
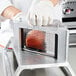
{"type": "Point", "coordinates": [6, 34]}
{"type": "Point", "coordinates": [20, 17]}
{"type": "Point", "coordinates": [42, 13]}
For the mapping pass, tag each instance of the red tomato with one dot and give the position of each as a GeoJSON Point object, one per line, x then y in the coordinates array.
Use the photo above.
{"type": "Point", "coordinates": [35, 39]}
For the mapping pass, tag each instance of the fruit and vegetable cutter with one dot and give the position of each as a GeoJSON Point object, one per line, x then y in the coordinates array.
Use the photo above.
{"type": "Point", "coordinates": [55, 53]}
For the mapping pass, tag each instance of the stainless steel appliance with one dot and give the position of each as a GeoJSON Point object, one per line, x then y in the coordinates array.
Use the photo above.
{"type": "Point", "coordinates": [55, 40]}
{"type": "Point", "coordinates": [52, 56]}
{"type": "Point", "coordinates": [69, 19]}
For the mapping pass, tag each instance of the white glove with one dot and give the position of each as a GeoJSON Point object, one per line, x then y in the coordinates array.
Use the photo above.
{"type": "Point", "coordinates": [20, 17]}
{"type": "Point", "coordinates": [42, 13]}
{"type": "Point", "coordinates": [6, 33]}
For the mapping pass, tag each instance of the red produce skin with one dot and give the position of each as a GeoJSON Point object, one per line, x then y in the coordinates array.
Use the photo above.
{"type": "Point", "coordinates": [35, 39]}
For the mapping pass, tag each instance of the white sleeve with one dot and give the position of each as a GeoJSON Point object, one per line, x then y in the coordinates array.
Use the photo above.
{"type": "Point", "coordinates": [4, 4]}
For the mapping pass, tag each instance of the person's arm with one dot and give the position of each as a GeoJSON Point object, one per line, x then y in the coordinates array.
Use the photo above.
{"type": "Point", "coordinates": [7, 10]}
{"type": "Point", "coordinates": [10, 12]}
{"type": "Point", "coordinates": [53, 1]}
